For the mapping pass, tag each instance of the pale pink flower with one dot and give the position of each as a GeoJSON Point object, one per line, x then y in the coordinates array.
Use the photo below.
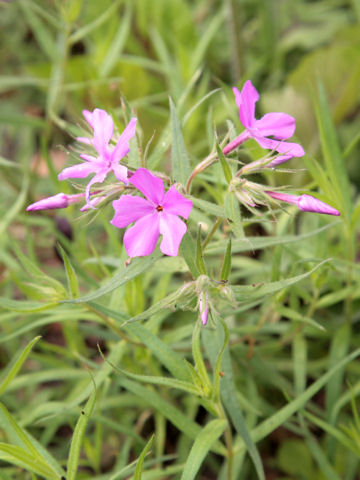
{"type": "Point", "coordinates": [61, 200]}
{"type": "Point", "coordinates": [107, 159]}
{"type": "Point", "coordinates": [155, 215]}
{"type": "Point", "coordinates": [204, 307]}
{"type": "Point", "coordinates": [304, 202]}
{"type": "Point", "coordinates": [278, 125]}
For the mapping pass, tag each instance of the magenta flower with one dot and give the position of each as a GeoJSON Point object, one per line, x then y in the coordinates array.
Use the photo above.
{"type": "Point", "coordinates": [61, 200]}
{"type": "Point", "coordinates": [304, 202]}
{"type": "Point", "coordinates": [155, 215]}
{"type": "Point", "coordinates": [107, 160]}
{"type": "Point", "coordinates": [278, 125]}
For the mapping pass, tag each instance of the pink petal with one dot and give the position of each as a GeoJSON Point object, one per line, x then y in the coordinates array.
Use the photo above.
{"type": "Point", "coordinates": [280, 125]}
{"type": "Point", "coordinates": [140, 240]}
{"type": "Point", "coordinates": [288, 148]}
{"type": "Point", "coordinates": [80, 170]}
{"type": "Point", "coordinates": [176, 204]}
{"type": "Point", "coordinates": [121, 173]}
{"type": "Point", "coordinates": [128, 209]}
{"type": "Point", "coordinates": [311, 204]}
{"type": "Point", "coordinates": [61, 200]}
{"type": "Point", "coordinates": [84, 140]}
{"type": "Point", "coordinates": [122, 147]}
{"type": "Point", "coordinates": [98, 178]}
{"type": "Point", "coordinates": [172, 229]}
{"type": "Point", "coordinates": [88, 117]}
{"type": "Point", "coordinates": [90, 158]}
{"type": "Point", "coordinates": [246, 100]}
{"type": "Point", "coordinates": [152, 187]}
{"type": "Point", "coordinates": [284, 197]}
{"type": "Point", "coordinates": [103, 130]}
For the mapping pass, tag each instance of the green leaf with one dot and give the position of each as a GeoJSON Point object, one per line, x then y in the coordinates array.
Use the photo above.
{"type": "Point", "coordinates": [224, 165]}
{"type": "Point", "coordinates": [202, 445]}
{"type": "Point", "coordinates": [335, 166]}
{"type": "Point", "coordinates": [24, 306]}
{"type": "Point", "coordinates": [84, 31]}
{"type": "Point", "coordinates": [226, 266]}
{"type": "Point", "coordinates": [78, 437]}
{"type": "Point", "coordinates": [173, 414]}
{"type": "Point", "coordinates": [249, 244]}
{"type": "Point", "coordinates": [228, 393]}
{"type": "Point", "coordinates": [137, 266]}
{"type": "Point", "coordinates": [72, 280]}
{"type": "Point", "coordinates": [187, 249]}
{"type": "Point", "coordinates": [35, 454]}
{"type": "Point", "coordinates": [170, 359]}
{"type": "Point", "coordinates": [16, 363]}
{"type": "Point", "coordinates": [140, 461]}
{"type": "Point", "coordinates": [118, 43]}
{"type": "Point", "coordinates": [40, 30]}
{"type": "Point", "coordinates": [282, 415]}
{"type": "Point", "coordinates": [179, 157]}
{"type": "Point", "coordinates": [20, 457]}
{"type": "Point", "coordinates": [248, 293]}
{"type": "Point", "coordinates": [199, 259]}
{"type": "Point", "coordinates": [233, 214]}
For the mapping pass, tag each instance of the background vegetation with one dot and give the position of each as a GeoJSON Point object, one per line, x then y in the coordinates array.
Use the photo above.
{"type": "Point", "coordinates": [289, 378]}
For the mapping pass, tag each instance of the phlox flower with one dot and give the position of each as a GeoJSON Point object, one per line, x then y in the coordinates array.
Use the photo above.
{"type": "Point", "coordinates": [304, 202]}
{"type": "Point", "coordinates": [154, 215]}
{"type": "Point", "coordinates": [278, 125]}
{"type": "Point", "coordinates": [107, 159]}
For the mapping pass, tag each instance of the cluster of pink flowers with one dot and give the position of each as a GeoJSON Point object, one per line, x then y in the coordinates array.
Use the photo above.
{"type": "Point", "coordinates": [158, 213]}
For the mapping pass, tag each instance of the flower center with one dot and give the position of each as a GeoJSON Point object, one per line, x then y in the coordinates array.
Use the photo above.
{"type": "Point", "coordinates": [159, 208]}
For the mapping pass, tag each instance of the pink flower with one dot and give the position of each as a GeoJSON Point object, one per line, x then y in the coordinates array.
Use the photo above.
{"type": "Point", "coordinates": [107, 160]}
{"type": "Point", "coordinates": [278, 125]}
{"type": "Point", "coordinates": [155, 215]}
{"type": "Point", "coordinates": [305, 203]}
{"type": "Point", "coordinates": [204, 307]}
{"type": "Point", "coordinates": [61, 200]}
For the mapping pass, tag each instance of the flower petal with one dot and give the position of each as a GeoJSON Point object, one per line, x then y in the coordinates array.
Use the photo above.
{"type": "Point", "coordinates": [128, 209]}
{"type": "Point", "coordinates": [103, 130]}
{"type": "Point", "coordinates": [98, 178]}
{"type": "Point", "coordinates": [121, 173]}
{"type": "Point", "coordinates": [80, 170]}
{"type": "Point", "coordinates": [307, 203]}
{"type": "Point", "coordinates": [246, 100]}
{"type": "Point", "coordinates": [152, 187]}
{"type": "Point", "coordinates": [280, 125]}
{"type": "Point", "coordinates": [140, 240]}
{"type": "Point", "coordinates": [88, 117]}
{"type": "Point", "coordinates": [172, 229]}
{"type": "Point", "coordinates": [176, 204]}
{"type": "Point", "coordinates": [84, 140]}
{"type": "Point", "coordinates": [122, 147]}
{"type": "Point", "coordinates": [288, 148]}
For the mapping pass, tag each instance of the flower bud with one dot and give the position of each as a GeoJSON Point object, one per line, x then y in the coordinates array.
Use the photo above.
{"type": "Point", "coordinates": [61, 200]}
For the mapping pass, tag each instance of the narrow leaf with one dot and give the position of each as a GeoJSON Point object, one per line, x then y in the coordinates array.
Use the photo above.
{"type": "Point", "coordinates": [224, 165]}
{"type": "Point", "coordinates": [179, 157]}
{"type": "Point", "coordinates": [78, 437]}
{"type": "Point", "coordinates": [202, 445]}
{"type": "Point", "coordinates": [226, 266]}
{"type": "Point", "coordinates": [16, 363]}
{"type": "Point", "coordinates": [140, 462]}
